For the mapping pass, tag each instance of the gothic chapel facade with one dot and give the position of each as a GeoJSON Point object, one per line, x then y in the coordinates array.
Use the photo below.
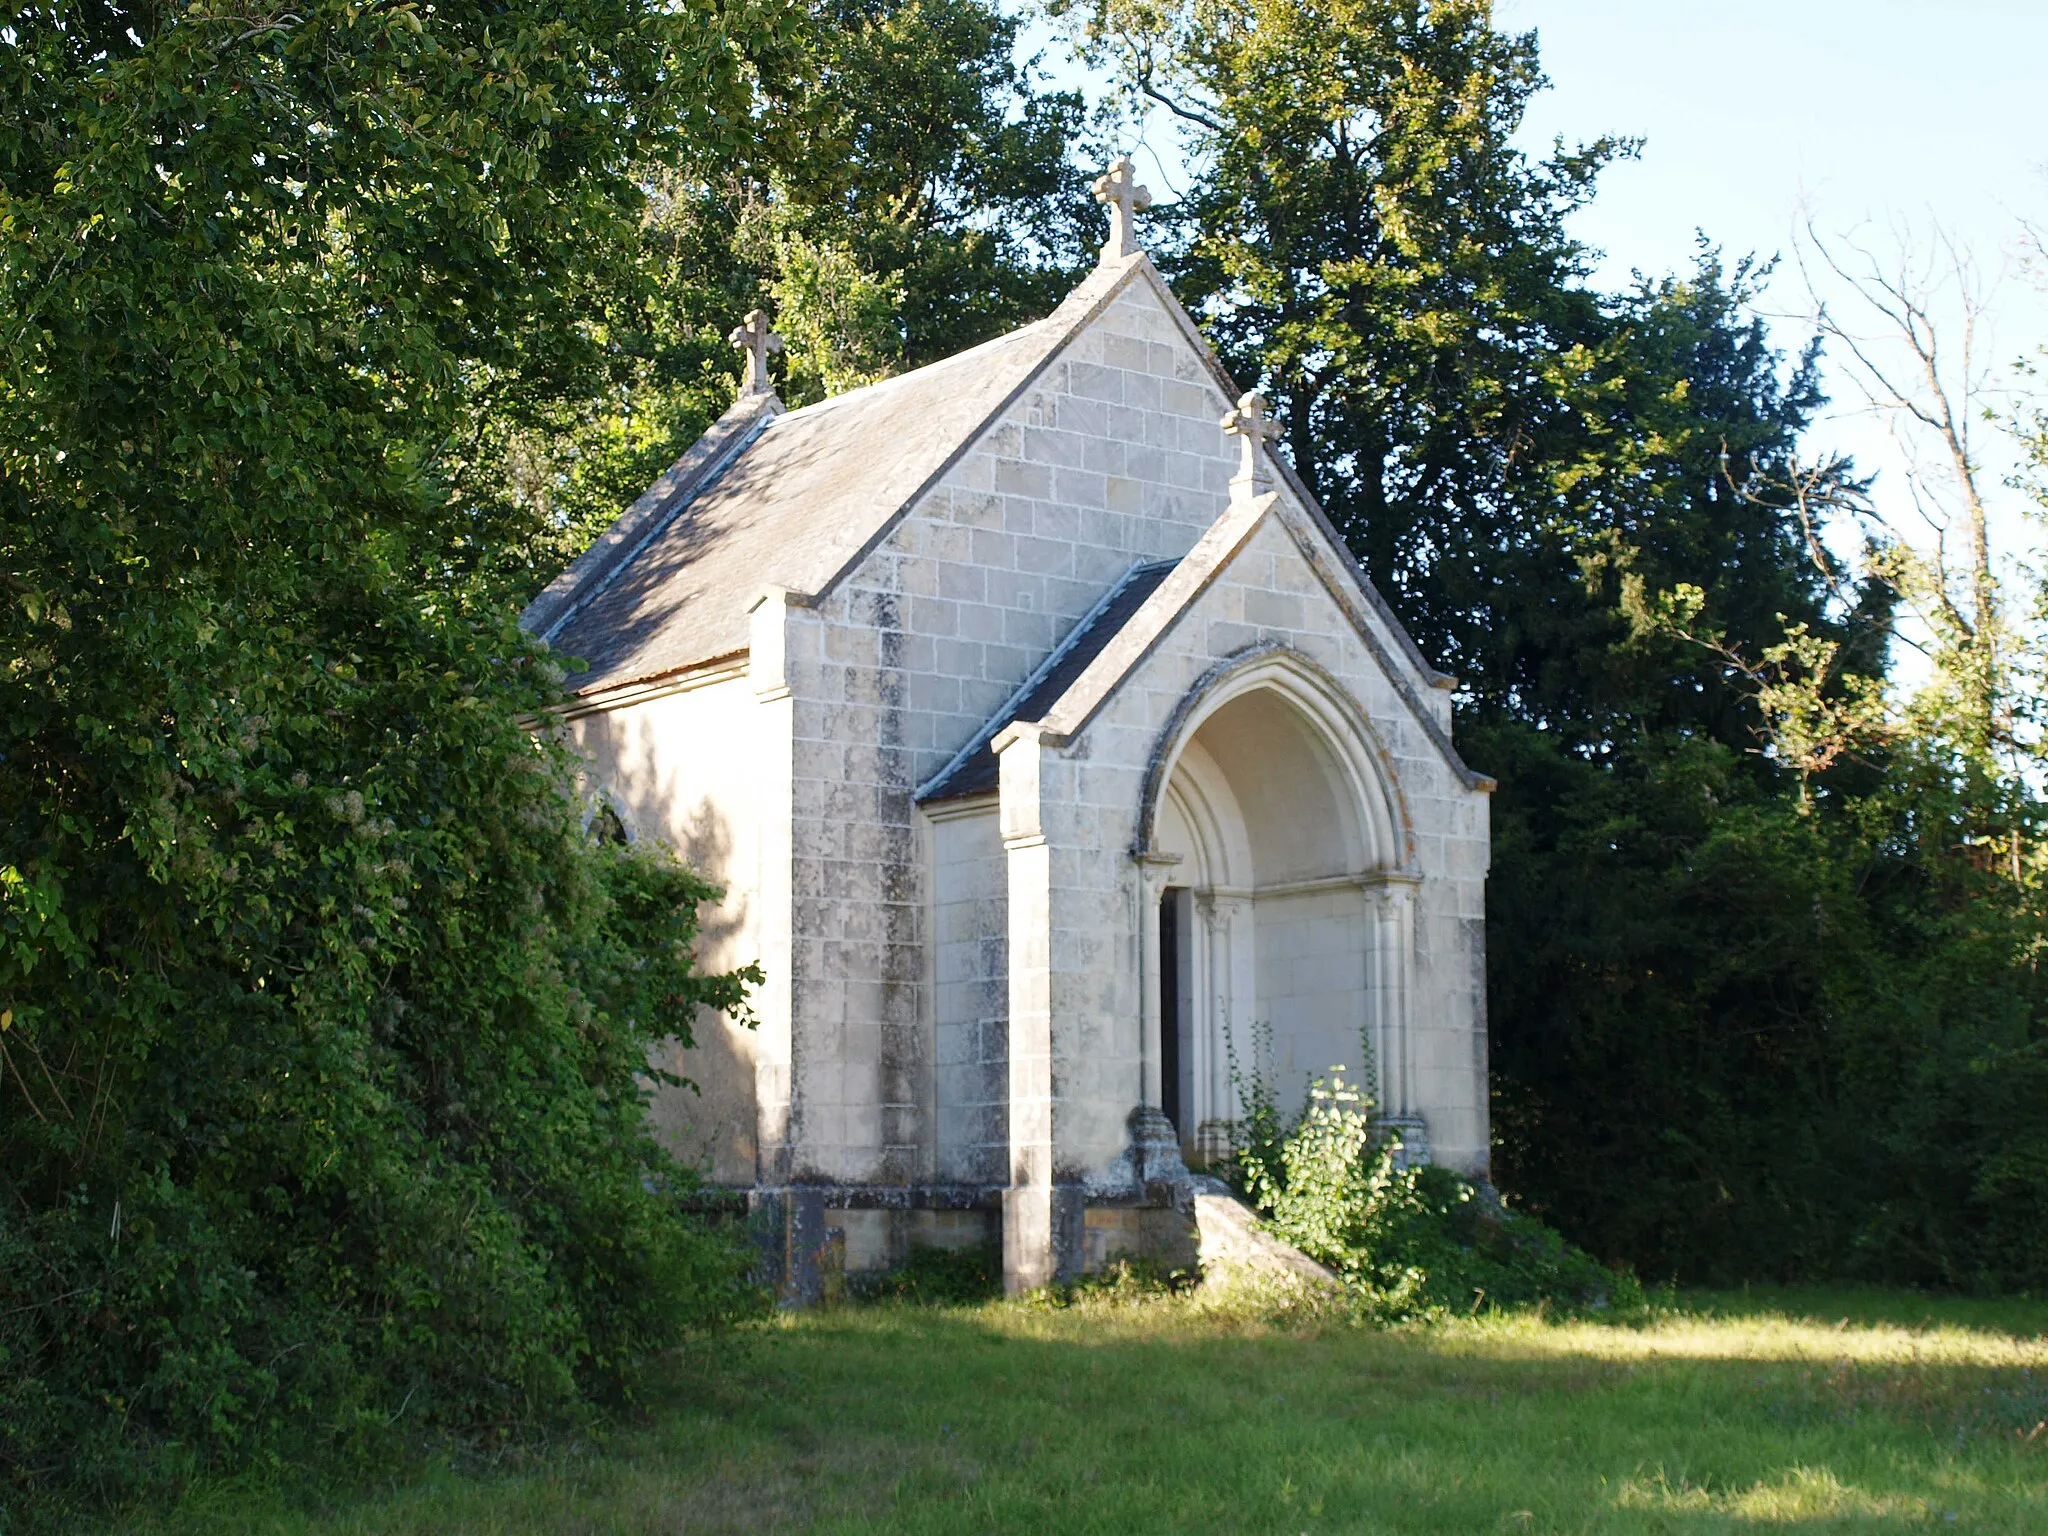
{"type": "Point", "coordinates": [1055, 756]}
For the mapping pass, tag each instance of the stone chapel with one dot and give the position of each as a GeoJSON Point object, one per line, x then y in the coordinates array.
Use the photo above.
{"type": "Point", "coordinates": [1059, 764]}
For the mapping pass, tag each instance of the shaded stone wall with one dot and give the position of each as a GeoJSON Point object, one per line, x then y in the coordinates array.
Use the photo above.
{"type": "Point", "coordinates": [970, 931]}
{"type": "Point", "coordinates": [687, 768]}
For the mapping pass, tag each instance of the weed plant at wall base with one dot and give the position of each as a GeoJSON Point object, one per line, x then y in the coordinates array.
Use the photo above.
{"type": "Point", "coordinates": [1410, 1241]}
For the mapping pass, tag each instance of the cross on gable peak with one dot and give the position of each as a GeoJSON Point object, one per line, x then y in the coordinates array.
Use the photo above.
{"type": "Point", "coordinates": [1118, 188]}
{"type": "Point", "coordinates": [1251, 424]}
{"type": "Point", "coordinates": [1251, 418]}
{"type": "Point", "coordinates": [754, 338]}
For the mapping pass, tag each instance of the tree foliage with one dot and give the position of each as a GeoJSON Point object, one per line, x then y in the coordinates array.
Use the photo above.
{"type": "Point", "coordinates": [323, 1020]}
{"type": "Point", "coordinates": [1503, 446]}
{"type": "Point", "coordinates": [1737, 1038]}
{"type": "Point", "coordinates": [908, 189]}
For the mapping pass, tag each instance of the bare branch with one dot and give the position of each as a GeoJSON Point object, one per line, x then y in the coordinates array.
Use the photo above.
{"type": "Point", "coordinates": [1916, 352]}
{"type": "Point", "coordinates": [1143, 75]}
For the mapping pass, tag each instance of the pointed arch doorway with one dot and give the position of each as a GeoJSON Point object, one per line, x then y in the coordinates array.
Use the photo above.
{"type": "Point", "coordinates": [1280, 899]}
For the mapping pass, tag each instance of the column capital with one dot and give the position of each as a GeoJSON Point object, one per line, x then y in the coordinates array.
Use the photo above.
{"type": "Point", "coordinates": [1390, 879]}
{"type": "Point", "coordinates": [1219, 908]}
{"type": "Point", "coordinates": [1391, 888]}
{"type": "Point", "coordinates": [1155, 869]}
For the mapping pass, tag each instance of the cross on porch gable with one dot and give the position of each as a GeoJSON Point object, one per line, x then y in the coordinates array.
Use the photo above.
{"type": "Point", "coordinates": [1251, 425]}
{"type": "Point", "coordinates": [755, 339]}
{"type": "Point", "coordinates": [1118, 188]}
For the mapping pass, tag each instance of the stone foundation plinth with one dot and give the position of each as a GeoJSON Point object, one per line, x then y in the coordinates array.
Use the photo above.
{"type": "Point", "coordinates": [815, 1238]}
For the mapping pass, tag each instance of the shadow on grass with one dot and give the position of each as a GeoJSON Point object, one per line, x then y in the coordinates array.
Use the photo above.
{"type": "Point", "coordinates": [1157, 1418]}
{"type": "Point", "coordinates": [2017, 1317]}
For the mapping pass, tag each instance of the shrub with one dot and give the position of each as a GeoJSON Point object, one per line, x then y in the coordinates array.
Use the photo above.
{"type": "Point", "coordinates": [344, 1204]}
{"type": "Point", "coordinates": [1409, 1241]}
{"type": "Point", "coordinates": [324, 1022]}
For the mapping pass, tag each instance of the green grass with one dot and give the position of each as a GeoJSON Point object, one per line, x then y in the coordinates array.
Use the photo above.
{"type": "Point", "coordinates": [1794, 1411]}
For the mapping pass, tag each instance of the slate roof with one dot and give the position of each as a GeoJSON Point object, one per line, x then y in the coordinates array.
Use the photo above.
{"type": "Point", "coordinates": [797, 498]}
{"type": "Point", "coordinates": [974, 771]}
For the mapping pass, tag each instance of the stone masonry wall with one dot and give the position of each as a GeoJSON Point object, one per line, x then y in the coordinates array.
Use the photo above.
{"type": "Point", "coordinates": [970, 966]}
{"type": "Point", "coordinates": [1113, 457]}
{"type": "Point", "coordinates": [1313, 958]}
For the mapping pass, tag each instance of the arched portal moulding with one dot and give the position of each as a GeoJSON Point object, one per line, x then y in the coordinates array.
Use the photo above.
{"type": "Point", "coordinates": [1199, 794]}
{"type": "Point", "coordinates": [1383, 839]}
{"type": "Point", "coordinates": [1377, 853]}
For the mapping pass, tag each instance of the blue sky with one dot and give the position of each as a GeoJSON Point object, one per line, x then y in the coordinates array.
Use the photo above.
{"type": "Point", "coordinates": [1753, 108]}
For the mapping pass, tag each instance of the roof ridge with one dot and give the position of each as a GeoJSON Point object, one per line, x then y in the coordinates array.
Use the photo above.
{"type": "Point", "coordinates": [1020, 357]}
{"type": "Point", "coordinates": [869, 391]}
{"type": "Point", "coordinates": [1069, 318]}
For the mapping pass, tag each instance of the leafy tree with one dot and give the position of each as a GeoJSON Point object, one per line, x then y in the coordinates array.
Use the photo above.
{"type": "Point", "coordinates": [1780, 1041]}
{"type": "Point", "coordinates": [1365, 244]}
{"type": "Point", "coordinates": [908, 191]}
{"type": "Point", "coordinates": [1502, 446]}
{"type": "Point", "coordinates": [1856, 1086]}
{"type": "Point", "coordinates": [323, 1020]}
{"type": "Point", "coordinates": [939, 160]}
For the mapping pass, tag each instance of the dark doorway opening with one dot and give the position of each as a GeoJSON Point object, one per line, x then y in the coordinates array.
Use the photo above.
{"type": "Point", "coordinates": [1172, 949]}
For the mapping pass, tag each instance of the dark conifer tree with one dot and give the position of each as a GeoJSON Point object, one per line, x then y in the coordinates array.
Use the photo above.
{"type": "Point", "coordinates": [1699, 950]}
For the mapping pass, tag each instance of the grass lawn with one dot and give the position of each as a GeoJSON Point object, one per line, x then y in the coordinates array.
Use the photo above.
{"type": "Point", "coordinates": [1787, 1411]}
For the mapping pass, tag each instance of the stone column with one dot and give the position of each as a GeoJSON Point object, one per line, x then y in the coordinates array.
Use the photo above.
{"type": "Point", "coordinates": [1219, 918]}
{"type": "Point", "coordinates": [1202, 1044]}
{"type": "Point", "coordinates": [1392, 915]}
{"type": "Point", "coordinates": [1154, 869]}
{"type": "Point", "coordinates": [1155, 1140]}
{"type": "Point", "coordinates": [1030, 1258]}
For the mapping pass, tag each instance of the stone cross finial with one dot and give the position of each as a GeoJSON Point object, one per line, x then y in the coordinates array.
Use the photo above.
{"type": "Point", "coordinates": [1118, 187]}
{"type": "Point", "coordinates": [1251, 426]}
{"type": "Point", "coordinates": [757, 341]}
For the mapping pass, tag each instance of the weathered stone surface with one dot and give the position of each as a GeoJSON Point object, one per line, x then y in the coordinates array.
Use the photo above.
{"type": "Point", "coordinates": [1232, 1242]}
